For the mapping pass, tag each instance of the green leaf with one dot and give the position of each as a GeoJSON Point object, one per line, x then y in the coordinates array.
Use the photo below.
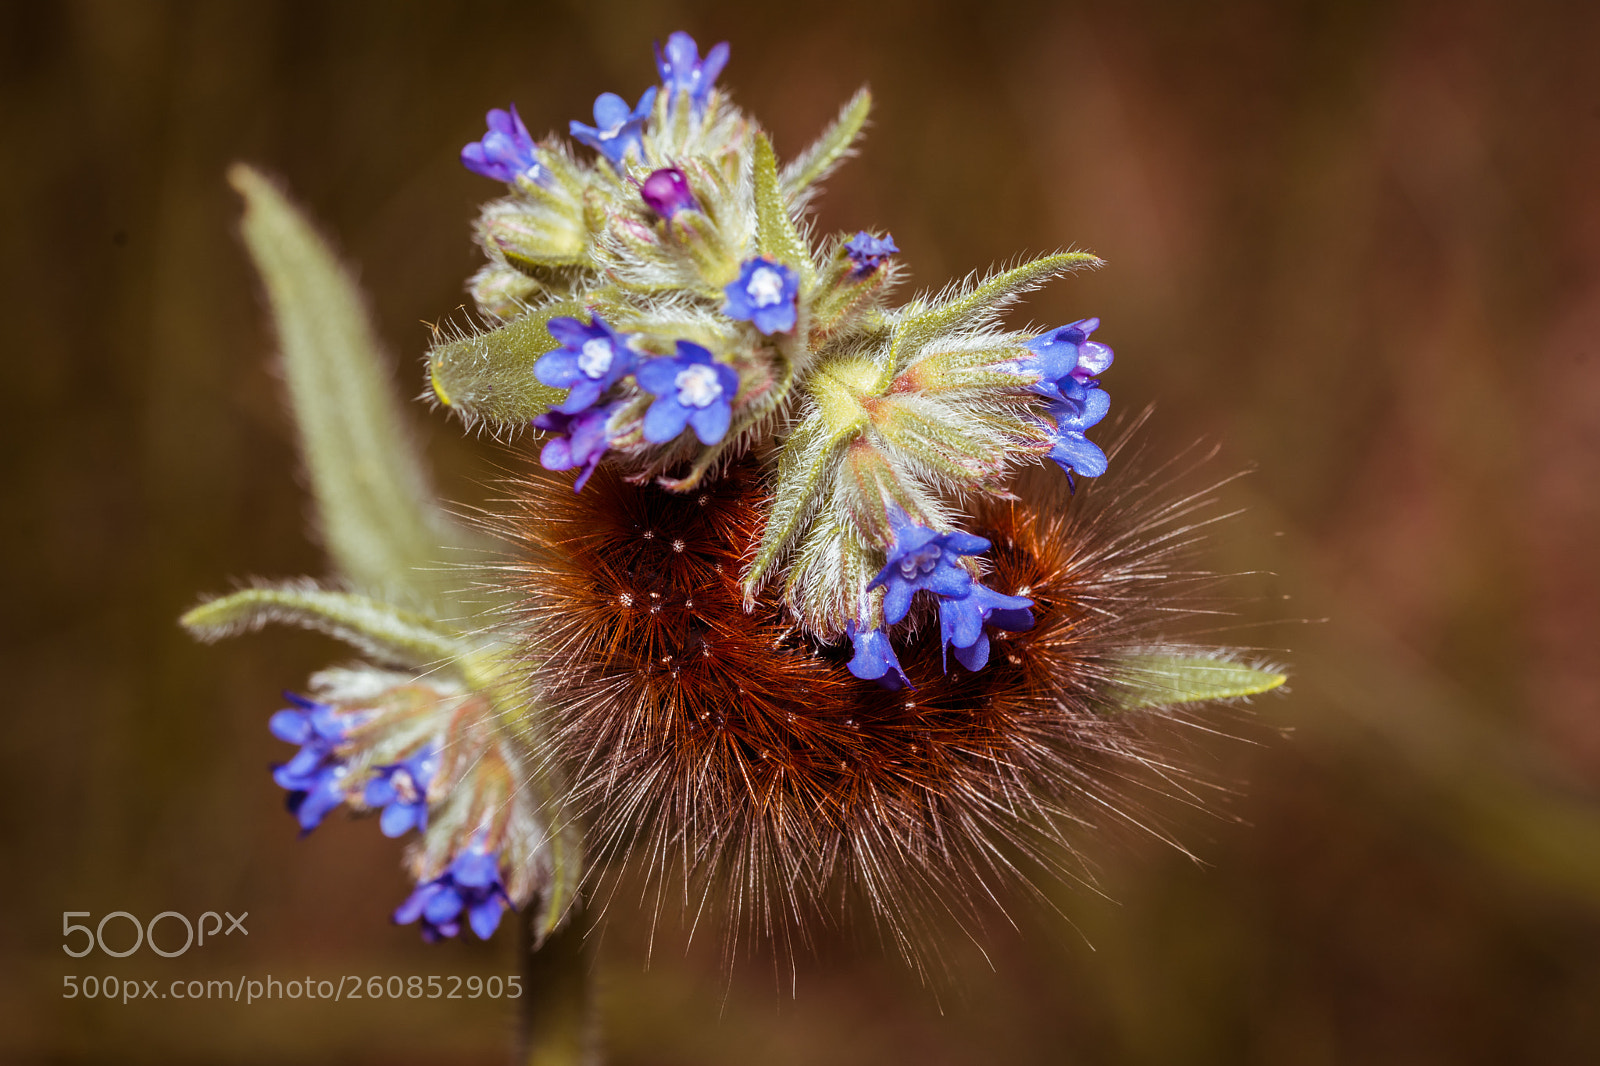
{"type": "Point", "coordinates": [1159, 679]}
{"type": "Point", "coordinates": [775, 230]}
{"type": "Point", "coordinates": [829, 150]}
{"type": "Point", "coordinates": [919, 325]}
{"type": "Point", "coordinates": [489, 376]}
{"type": "Point", "coordinates": [378, 630]}
{"type": "Point", "coordinates": [808, 455]}
{"type": "Point", "coordinates": [380, 522]}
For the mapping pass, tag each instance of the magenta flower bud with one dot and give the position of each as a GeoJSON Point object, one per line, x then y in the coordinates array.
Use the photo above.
{"type": "Point", "coordinates": [666, 191]}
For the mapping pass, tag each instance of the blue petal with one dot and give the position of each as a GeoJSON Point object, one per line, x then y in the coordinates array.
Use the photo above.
{"type": "Point", "coordinates": [444, 905]}
{"type": "Point", "coordinates": [293, 726]}
{"type": "Point", "coordinates": [398, 819]}
{"type": "Point", "coordinates": [416, 903]}
{"type": "Point", "coordinates": [485, 917]}
{"type": "Point", "coordinates": [665, 420]}
{"type": "Point", "coordinates": [976, 656]}
{"type": "Point", "coordinates": [610, 110]}
{"type": "Point", "coordinates": [380, 792]}
{"type": "Point", "coordinates": [571, 332]}
{"type": "Point", "coordinates": [896, 601]}
{"type": "Point", "coordinates": [779, 318]}
{"type": "Point", "coordinates": [711, 422]}
{"type": "Point", "coordinates": [321, 799]}
{"type": "Point", "coordinates": [712, 66]}
{"type": "Point", "coordinates": [476, 869]}
{"type": "Point", "coordinates": [1078, 455]}
{"type": "Point", "coordinates": [1095, 405]}
{"type": "Point", "coordinates": [558, 368]}
{"type": "Point", "coordinates": [659, 375]}
{"type": "Point", "coordinates": [960, 621]}
{"type": "Point", "coordinates": [305, 761]}
{"type": "Point", "coordinates": [585, 391]}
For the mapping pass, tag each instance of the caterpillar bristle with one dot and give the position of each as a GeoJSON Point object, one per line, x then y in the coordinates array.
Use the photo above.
{"type": "Point", "coordinates": [720, 753]}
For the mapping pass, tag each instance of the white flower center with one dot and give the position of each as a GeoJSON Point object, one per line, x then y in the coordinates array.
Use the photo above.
{"type": "Point", "coordinates": [697, 385]}
{"type": "Point", "coordinates": [765, 287]}
{"type": "Point", "coordinates": [595, 358]}
{"type": "Point", "coordinates": [920, 562]}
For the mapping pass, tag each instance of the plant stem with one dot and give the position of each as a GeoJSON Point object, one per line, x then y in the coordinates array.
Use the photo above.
{"type": "Point", "coordinates": [557, 1022]}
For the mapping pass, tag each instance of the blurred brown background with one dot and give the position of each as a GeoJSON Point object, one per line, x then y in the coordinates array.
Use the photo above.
{"type": "Point", "coordinates": [1358, 244]}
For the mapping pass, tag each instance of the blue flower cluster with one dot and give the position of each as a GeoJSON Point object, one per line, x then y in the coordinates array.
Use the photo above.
{"type": "Point", "coordinates": [507, 150]}
{"type": "Point", "coordinates": [682, 69]}
{"type": "Point", "coordinates": [1069, 365]}
{"type": "Point", "coordinates": [616, 128]}
{"type": "Point", "coordinates": [318, 780]}
{"type": "Point", "coordinates": [765, 294]}
{"type": "Point", "coordinates": [472, 884]}
{"type": "Point", "coordinates": [867, 253]}
{"type": "Point", "coordinates": [924, 560]}
{"type": "Point", "coordinates": [693, 390]}
{"type": "Point", "coordinates": [401, 789]}
{"type": "Point", "coordinates": [317, 776]}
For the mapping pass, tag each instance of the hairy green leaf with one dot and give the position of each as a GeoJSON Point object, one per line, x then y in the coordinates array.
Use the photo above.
{"type": "Point", "coordinates": [380, 522]}
{"type": "Point", "coordinates": [489, 376]}
{"type": "Point", "coordinates": [918, 325]}
{"type": "Point", "coordinates": [379, 630]}
{"type": "Point", "coordinates": [830, 149]}
{"type": "Point", "coordinates": [1159, 679]}
{"type": "Point", "coordinates": [775, 230]}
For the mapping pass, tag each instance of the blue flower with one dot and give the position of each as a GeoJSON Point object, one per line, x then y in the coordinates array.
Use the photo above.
{"type": "Point", "coordinates": [315, 774]}
{"type": "Point", "coordinates": [682, 69]}
{"type": "Point", "coordinates": [1067, 362]}
{"type": "Point", "coordinates": [961, 621]}
{"type": "Point", "coordinates": [471, 883]}
{"type": "Point", "coordinates": [401, 789]}
{"type": "Point", "coordinates": [921, 559]}
{"type": "Point", "coordinates": [694, 390]}
{"type": "Point", "coordinates": [867, 252]}
{"type": "Point", "coordinates": [667, 192]}
{"type": "Point", "coordinates": [505, 151]}
{"type": "Point", "coordinates": [875, 658]}
{"type": "Point", "coordinates": [1076, 453]}
{"type": "Point", "coordinates": [590, 360]}
{"type": "Point", "coordinates": [576, 441]}
{"type": "Point", "coordinates": [765, 293]}
{"type": "Point", "coordinates": [615, 128]}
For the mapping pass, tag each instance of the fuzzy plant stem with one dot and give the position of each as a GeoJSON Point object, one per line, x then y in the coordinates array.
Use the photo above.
{"type": "Point", "coordinates": [557, 1023]}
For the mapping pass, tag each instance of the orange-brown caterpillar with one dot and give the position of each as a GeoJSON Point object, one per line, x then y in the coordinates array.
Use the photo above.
{"type": "Point", "coordinates": [730, 752]}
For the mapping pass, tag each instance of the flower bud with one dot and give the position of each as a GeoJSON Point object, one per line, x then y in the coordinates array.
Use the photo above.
{"type": "Point", "coordinates": [667, 192]}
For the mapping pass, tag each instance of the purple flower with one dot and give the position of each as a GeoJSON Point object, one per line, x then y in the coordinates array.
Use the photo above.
{"type": "Point", "coordinates": [576, 441]}
{"type": "Point", "coordinates": [921, 559]}
{"type": "Point", "coordinates": [875, 658]}
{"type": "Point", "coordinates": [867, 253]}
{"type": "Point", "coordinates": [961, 620]}
{"type": "Point", "coordinates": [667, 192]}
{"type": "Point", "coordinates": [315, 774]}
{"type": "Point", "coordinates": [505, 151]}
{"type": "Point", "coordinates": [1067, 362]}
{"type": "Point", "coordinates": [401, 789]}
{"type": "Point", "coordinates": [590, 360]}
{"type": "Point", "coordinates": [694, 390]}
{"type": "Point", "coordinates": [471, 883]}
{"type": "Point", "coordinates": [682, 69]}
{"type": "Point", "coordinates": [765, 293]}
{"type": "Point", "coordinates": [1069, 447]}
{"type": "Point", "coordinates": [615, 128]}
